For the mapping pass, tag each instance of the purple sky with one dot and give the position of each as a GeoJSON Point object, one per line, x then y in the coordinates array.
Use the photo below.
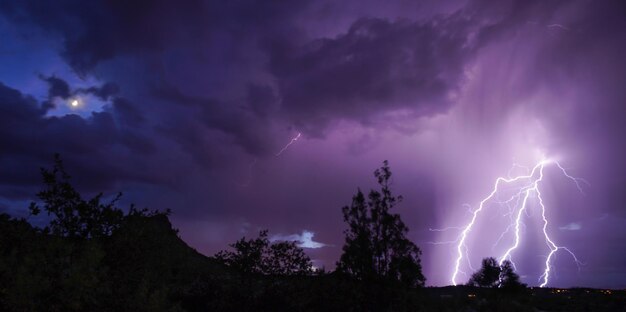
{"type": "Point", "coordinates": [185, 106]}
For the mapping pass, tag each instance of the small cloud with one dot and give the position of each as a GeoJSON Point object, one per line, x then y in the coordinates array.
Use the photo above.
{"type": "Point", "coordinates": [305, 240]}
{"type": "Point", "coordinates": [574, 226]}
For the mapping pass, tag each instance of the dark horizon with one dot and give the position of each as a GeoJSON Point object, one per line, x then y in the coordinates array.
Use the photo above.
{"type": "Point", "coordinates": [251, 115]}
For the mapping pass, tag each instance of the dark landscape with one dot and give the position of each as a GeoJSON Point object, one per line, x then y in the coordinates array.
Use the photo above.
{"type": "Point", "coordinates": [93, 256]}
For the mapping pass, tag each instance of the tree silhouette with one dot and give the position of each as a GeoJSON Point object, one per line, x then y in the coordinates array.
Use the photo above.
{"type": "Point", "coordinates": [376, 245]}
{"type": "Point", "coordinates": [493, 275]}
{"type": "Point", "coordinates": [259, 256]}
{"type": "Point", "coordinates": [93, 257]}
{"type": "Point", "coordinates": [74, 216]}
{"type": "Point", "coordinates": [488, 275]}
{"type": "Point", "coordinates": [508, 278]}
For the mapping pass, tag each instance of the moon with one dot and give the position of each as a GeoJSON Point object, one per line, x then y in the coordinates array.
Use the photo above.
{"type": "Point", "coordinates": [74, 103]}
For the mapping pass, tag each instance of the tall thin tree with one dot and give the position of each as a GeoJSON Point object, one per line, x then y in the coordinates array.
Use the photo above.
{"type": "Point", "coordinates": [376, 244]}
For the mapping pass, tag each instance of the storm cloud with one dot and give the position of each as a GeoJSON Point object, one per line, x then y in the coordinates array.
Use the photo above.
{"type": "Point", "coordinates": [186, 106]}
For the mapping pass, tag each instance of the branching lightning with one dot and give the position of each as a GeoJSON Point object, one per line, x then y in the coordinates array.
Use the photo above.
{"type": "Point", "coordinates": [526, 186]}
{"type": "Point", "coordinates": [293, 140]}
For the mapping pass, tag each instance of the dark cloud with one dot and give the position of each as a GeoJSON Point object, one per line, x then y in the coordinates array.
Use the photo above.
{"type": "Point", "coordinates": [195, 39]}
{"type": "Point", "coordinates": [502, 20]}
{"type": "Point", "coordinates": [57, 87]}
{"type": "Point", "coordinates": [127, 113]}
{"type": "Point", "coordinates": [28, 139]}
{"type": "Point", "coordinates": [241, 126]}
{"type": "Point", "coordinates": [96, 31]}
{"type": "Point", "coordinates": [376, 66]}
{"type": "Point", "coordinates": [103, 92]}
{"type": "Point", "coordinates": [262, 99]}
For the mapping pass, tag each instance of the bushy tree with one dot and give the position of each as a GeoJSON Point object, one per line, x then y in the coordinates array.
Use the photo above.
{"type": "Point", "coordinates": [260, 256]}
{"type": "Point", "coordinates": [72, 215]}
{"type": "Point", "coordinates": [91, 256]}
{"type": "Point", "coordinates": [493, 275]}
{"type": "Point", "coordinates": [376, 246]}
{"type": "Point", "coordinates": [488, 274]}
{"type": "Point", "coordinates": [508, 278]}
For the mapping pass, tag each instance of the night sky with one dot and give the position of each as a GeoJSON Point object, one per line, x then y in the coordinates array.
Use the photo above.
{"type": "Point", "coordinates": [188, 105]}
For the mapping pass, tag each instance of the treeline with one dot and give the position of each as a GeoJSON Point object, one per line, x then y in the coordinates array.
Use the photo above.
{"type": "Point", "coordinates": [93, 256]}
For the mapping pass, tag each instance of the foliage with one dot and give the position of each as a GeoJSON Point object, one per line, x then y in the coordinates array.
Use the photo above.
{"type": "Point", "coordinates": [87, 254]}
{"type": "Point", "coordinates": [509, 280]}
{"type": "Point", "coordinates": [259, 256]}
{"type": "Point", "coordinates": [72, 215]}
{"type": "Point", "coordinates": [488, 274]}
{"type": "Point", "coordinates": [376, 246]}
{"type": "Point", "coordinates": [493, 275]}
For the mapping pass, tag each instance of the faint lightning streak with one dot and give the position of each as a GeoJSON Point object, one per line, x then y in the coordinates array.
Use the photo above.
{"type": "Point", "coordinates": [249, 178]}
{"type": "Point", "coordinates": [442, 243]}
{"type": "Point", "coordinates": [557, 26]}
{"type": "Point", "coordinates": [446, 229]}
{"type": "Point", "coordinates": [516, 165]}
{"type": "Point", "coordinates": [576, 180]}
{"type": "Point", "coordinates": [501, 237]}
{"type": "Point", "coordinates": [293, 140]}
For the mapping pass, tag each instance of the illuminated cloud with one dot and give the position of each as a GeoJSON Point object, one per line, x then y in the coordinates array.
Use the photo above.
{"type": "Point", "coordinates": [574, 226]}
{"type": "Point", "coordinates": [304, 240]}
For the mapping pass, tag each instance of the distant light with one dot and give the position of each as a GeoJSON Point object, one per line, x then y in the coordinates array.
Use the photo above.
{"type": "Point", "coordinates": [304, 240]}
{"type": "Point", "coordinates": [74, 103]}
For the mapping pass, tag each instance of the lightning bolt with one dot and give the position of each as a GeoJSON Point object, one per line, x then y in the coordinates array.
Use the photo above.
{"type": "Point", "coordinates": [517, 204]}
{"type": "Point", "coordinates": [248, 180]}
{"type": "Point", "coordinates": [557, 26]}
{"type": "Point", "coordinates": [293, 140]}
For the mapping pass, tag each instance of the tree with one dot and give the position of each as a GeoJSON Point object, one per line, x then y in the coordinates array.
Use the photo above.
{"type": "Point", "coordinates": [488, 275]}
{"type": "Point", "coordinates": [259, 256]}
{"type": "Point", "coordinates": [508, 278]}
{"type": "Point", "coordinates": [376, 245]}
{"type": "Point", "coordinates": [93, 257]}
{"type": "Point", "coordinates": [493, 275]}
{"type": "Point", "coordinates": [74, 216]}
